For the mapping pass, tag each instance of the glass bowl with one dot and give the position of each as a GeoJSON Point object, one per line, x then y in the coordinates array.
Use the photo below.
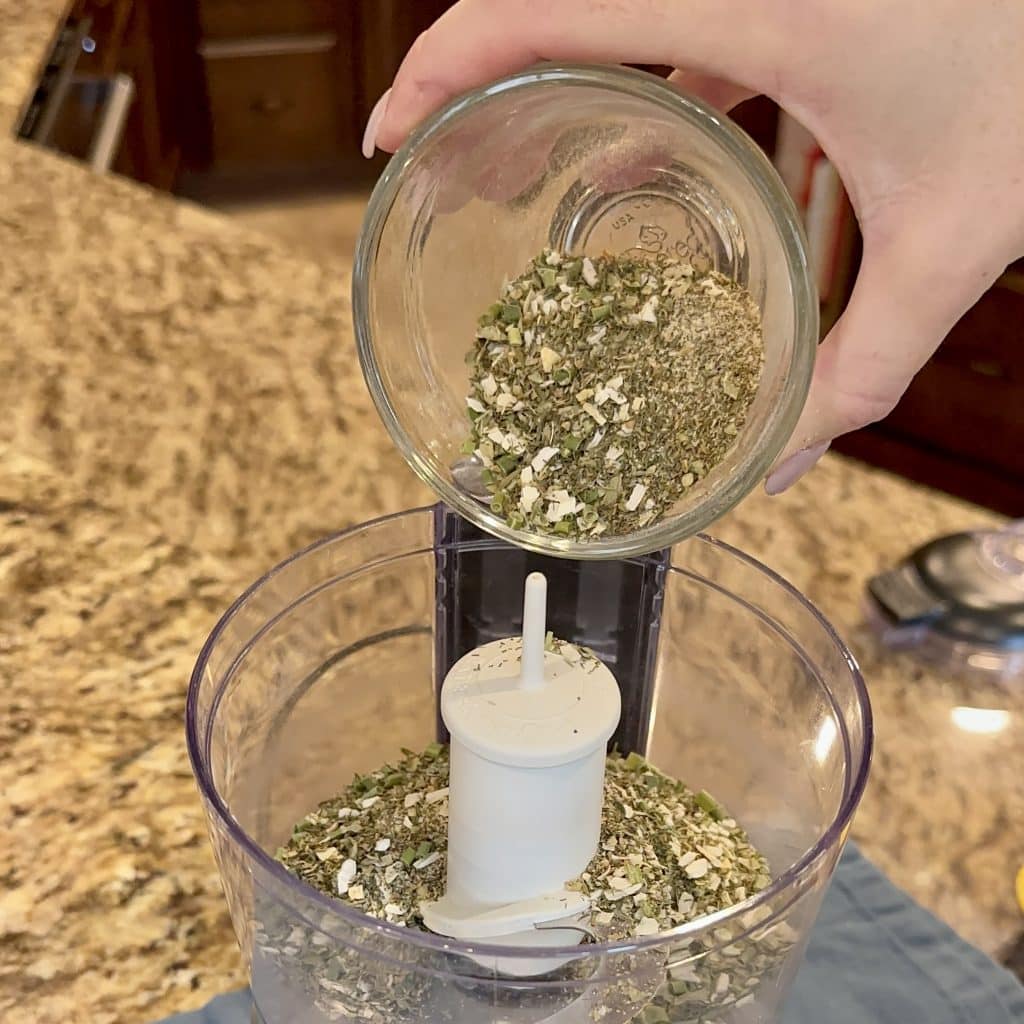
{"type": "Point", "coordinates": [328, 666]}
{"type": "Point", "coordinates": [585, 160]}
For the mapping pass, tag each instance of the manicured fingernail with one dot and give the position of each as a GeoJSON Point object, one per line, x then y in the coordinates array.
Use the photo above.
{"type": "Point", "coordinates": [376, 116]}
{"type": "Point", "coordinates": [782, 478]}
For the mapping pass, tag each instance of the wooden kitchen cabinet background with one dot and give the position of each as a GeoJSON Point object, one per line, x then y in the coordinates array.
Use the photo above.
{"type": "Point", "coordinates": [289, 85]}
{"type": "Point", "coordinates": [153, 43]}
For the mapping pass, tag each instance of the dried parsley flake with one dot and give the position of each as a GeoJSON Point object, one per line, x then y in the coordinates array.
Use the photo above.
{"type": "Point", "coordinates": [604, 388]}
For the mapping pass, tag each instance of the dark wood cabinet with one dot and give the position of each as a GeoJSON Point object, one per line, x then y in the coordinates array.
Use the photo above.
{"type": "Point", "coordinates": [279, 101]}
{"type": "Point", "coordinates": [960, 425]}
{"type": "Point", "coordinates": [233, 99]}
{"type": "Point", "coordinates": [151, 45]}
{"type": "Point", "coordinates": [289, 85]}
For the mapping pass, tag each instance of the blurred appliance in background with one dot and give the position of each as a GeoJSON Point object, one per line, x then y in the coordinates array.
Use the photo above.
{"type": "Point", "coordinates": [957, 603]}
{"type": "Point", "coordinates": [120, 89]}
{"type": "Point", "coordinates": [81, 115]}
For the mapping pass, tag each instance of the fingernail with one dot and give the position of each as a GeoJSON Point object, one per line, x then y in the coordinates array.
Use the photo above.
{"type": "Point", "coordinates": [376, 116]}
{"type": "Point", "coordinates": [782, 478]}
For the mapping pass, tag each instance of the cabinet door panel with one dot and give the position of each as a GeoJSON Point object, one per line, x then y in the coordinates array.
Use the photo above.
{"type": "Point", "coordinates": [277, 108]}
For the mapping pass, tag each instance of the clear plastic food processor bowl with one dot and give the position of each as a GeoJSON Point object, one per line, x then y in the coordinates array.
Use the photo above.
{"type": "Point", "coordinates": [584, 160]}
{"type": "Point", "coordinates": [328, 666]}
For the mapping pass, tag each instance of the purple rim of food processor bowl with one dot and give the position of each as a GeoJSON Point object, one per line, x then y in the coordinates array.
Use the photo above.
{"type": "Point", "coordinates": [790, 879]}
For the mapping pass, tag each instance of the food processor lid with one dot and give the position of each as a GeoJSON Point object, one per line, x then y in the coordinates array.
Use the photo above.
{"type": "Point", "coordinates": [574, 714]}
{"type": "Point", "coordinates": [965, 590]}
{"type": "Point", "coordinates": [531, 701]}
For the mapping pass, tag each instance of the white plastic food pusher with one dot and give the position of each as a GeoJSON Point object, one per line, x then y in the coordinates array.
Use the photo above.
{"type": "Point", "coordinates": [526, 785]}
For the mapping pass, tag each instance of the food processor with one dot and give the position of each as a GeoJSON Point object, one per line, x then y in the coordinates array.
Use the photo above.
{"type": "Point", "coordinates": [957, 602]}
{"type": "Point", "coordinates": [705, 662]}
{"type": "Point", "coordinates": [329, 665]}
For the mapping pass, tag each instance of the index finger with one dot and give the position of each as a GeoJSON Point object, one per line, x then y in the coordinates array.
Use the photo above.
{"type": "Point", "coordinates": [478, 41]}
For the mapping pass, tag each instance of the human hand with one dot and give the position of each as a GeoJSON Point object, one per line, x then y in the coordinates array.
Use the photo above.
{"type": "Point", "coordinates": [918, 104]}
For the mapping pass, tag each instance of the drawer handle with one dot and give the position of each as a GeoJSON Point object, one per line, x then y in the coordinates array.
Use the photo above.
{"type": "Point", "coordinates": [268, 46]}
{"type": "Point", "coordinates": [271, 106]}
{"type": "Point", "coordinates": [987, 368]}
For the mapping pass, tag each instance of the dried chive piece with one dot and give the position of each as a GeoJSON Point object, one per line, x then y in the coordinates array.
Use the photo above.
{"type": "Point", "coordinates": [637, 371]}
{"type": "Point", "coordinates": [707, 803]}
{"type": "Point", "coordinates": [654, 1014]}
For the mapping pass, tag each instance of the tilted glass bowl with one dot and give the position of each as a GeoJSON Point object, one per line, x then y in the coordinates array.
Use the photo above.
{"type": "Point", "coordinates": [585, 160]}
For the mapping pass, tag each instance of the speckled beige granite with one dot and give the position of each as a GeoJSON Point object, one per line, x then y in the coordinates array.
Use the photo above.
{"type": "Point", "coordinates": [27, 30]}
{"type": "Point", "coordinates": [181, 408]}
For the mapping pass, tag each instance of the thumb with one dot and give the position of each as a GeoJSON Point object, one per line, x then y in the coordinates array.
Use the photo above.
{"type": "Point", "coordinates": [909, 293]}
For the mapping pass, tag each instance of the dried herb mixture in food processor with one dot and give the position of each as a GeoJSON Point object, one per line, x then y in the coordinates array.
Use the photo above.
{"type": "Point", "coordinates": [667, 855]}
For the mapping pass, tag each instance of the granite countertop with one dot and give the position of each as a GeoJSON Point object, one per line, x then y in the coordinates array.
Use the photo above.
{"type": "Point", "coordinates": [182, 408]}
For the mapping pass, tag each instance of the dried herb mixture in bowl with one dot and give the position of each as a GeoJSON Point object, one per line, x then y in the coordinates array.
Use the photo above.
{"type": "Point", "coordinates": [603, 389]}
